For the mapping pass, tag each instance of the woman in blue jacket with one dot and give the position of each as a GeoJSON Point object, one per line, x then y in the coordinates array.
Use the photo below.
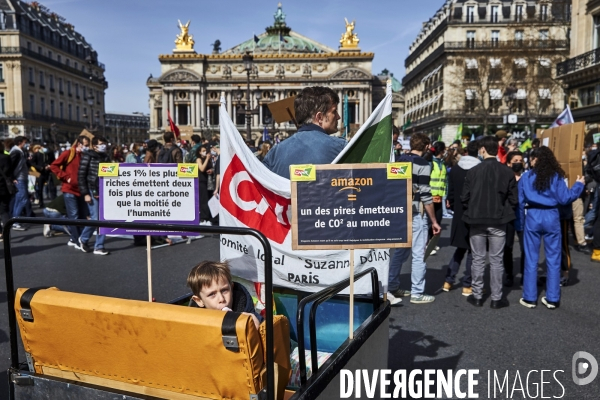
{"type": "Point", "coordinates": [541, 191]}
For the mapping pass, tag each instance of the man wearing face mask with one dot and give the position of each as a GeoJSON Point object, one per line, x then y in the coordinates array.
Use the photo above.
{"type": "Point", "coordinates": [89, 188]}
{"type": "Point", "coordinates": [317, 116]}
{"type": "Point", "coordinates": [66, 168]}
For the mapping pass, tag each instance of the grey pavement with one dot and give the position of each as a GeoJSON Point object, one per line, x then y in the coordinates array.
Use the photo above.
{"type": "Point", "coordinates": [447, 334]}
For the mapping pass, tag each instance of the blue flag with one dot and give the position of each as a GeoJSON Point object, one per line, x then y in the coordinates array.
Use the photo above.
{"type": "Point", "coordinates": [281, 38]}
{"type": "Point", "coordinates": [266, 137]}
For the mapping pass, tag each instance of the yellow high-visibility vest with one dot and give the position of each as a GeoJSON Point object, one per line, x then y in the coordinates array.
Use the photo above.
{"type": "Point", "coordinates": [438, 178]}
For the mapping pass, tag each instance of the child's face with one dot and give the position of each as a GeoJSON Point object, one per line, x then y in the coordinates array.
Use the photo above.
{"type": "Point", "coordinates": [216, 296]}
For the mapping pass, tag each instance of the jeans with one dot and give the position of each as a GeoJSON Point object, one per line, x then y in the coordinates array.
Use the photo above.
{"type": "Point", "coordinates": [508, 251]}
{"type": "Point", "coordinates": [419, 243]}
{"type": "Point", "coordinates": [21, 197]}
{"type": "Point", "coordinates": [89, 230]}
{"type": "Point", "coordinates": [75, 210]}
{"type": "Point", "coordinates": [50, 213]}
{"type": "Point", "coordinates": [454, 265]}
{"type": "Point", "coordinates": [590, 216]}
{"type": "Point", "coordinates": [495, 237]}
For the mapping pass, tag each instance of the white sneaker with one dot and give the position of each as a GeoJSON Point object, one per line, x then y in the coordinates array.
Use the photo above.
{"type": "Point", "coordinates": [205, 223]}
{"type": "Point", "coordinates": [47, 231]}
{"type": "Point", "coordinates": [589, 237]}
{"type": "Point", "coordinates": [433, 252]}
{"type": "Point", "coordinates": [73, 244]}
{"type": "Point", "coordinates": [393, 299]}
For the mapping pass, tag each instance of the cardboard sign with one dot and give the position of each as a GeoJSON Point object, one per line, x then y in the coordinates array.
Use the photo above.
{"type": "Point", "coordinates": [353, 206]}
{"type": "Point", "coordinates": [151, 193]}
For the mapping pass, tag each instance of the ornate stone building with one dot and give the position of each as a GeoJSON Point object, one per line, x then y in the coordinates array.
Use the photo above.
{"type": "Point", "coordinates": [284, 62]}
{"type": "Point", "coordinates": [51, 82]}
{"type": "Point", "coordinates": [477, 61]}
{"type": "Point", "coordinates": [581, 72]}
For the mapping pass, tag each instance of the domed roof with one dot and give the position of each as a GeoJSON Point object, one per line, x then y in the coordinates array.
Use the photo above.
{"type": "Point", "coordinates": [270, 44]}
{"type": "Point", "coordinates": [279, 38]}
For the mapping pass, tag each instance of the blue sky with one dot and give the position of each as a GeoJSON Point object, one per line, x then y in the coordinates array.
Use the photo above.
{"type": "Point", "coordinates": [130, 34]}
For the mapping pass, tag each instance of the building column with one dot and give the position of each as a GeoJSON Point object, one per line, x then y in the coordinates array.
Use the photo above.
{"type": "Point", "coordinates": [189, 114]}
{"type": "Point", "coordinates": [260, 114]}
{"type": "Point", "coordinates": [361, 107]}
{"type": "Point", "coordinates": [356, 113]}
{"type": "Point", "coordinates": [341, 107]}
{"type": "Point", "coordinates": [176, 113]}
{"type": "Point", "coordinates": [193, 115]}
{"type": "Point", "coordinates": [230, 106]}
{"type": "Point", "coordinates": [203, 105]}
{"type": "Point", "coordinates": [198, 108]}
{"type": "Point", "coordinates": [171, 103]}
{"type": "Point", "coordinates": [165, 106]}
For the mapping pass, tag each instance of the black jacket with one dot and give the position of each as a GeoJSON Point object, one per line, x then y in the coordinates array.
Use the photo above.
{"type": "Point", "coordinates": [88, 172]}
{"type": "Point", "coordinates": [459, 232]}
{"type": "Point", "coordinates": [6, 167]}
{"type": "Point", "coordinates": [489, 194]}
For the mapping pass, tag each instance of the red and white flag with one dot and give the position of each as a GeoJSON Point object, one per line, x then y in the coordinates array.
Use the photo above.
{"type": "Point", "coordinates": [254, 197]}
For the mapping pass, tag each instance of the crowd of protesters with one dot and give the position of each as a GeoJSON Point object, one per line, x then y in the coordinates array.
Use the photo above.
{"type": "Point", "coordinates": [493, 192]}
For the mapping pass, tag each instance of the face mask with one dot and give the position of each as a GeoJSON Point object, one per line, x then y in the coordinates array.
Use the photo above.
{"type": "Point", "coordinates": [44, 149]}
{"type": "Point", "coordinates": [480, 157]}
{"type": "Point", "coordinates": [517, 167]}
{"type": "Point", "coordinates": [85, 148]}
{"type": "Point", "coordinates": [214, 153]}
{"type": "Point", "coordinates": [203, 154]}
{"type": "Point", "coordinates": [101, 148]}
{"type": "Point", "coordinates": [594, 148]}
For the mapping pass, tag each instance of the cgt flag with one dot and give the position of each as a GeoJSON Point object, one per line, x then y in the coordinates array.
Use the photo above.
{"type": "Point", "coordinates": [174, 127]}
{"type": "Point", "coordinates": [252, 196]}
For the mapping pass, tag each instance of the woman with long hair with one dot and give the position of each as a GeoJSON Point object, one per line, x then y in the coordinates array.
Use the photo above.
{"type": "Point", "coordinates": [542, 191]}
{"type": "Point", "coordinates": [151, 151]}
{"type": "Point", "coordinates": [514, 161]}
{"type": "Point", "coordinates": [264, 149]}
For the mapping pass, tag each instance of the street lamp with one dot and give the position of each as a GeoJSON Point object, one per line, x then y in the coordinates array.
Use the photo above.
{"type": "Point", "coordinates": [248, 112]}
{"type": "Point", "coordinates": [532, 121]}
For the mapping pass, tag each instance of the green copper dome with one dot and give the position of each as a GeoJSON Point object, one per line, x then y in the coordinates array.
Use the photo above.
{"type": "Point", "coordinates": [270, 42]}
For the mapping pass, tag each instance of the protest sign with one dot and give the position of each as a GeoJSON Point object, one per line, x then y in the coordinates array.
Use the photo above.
{"type": "Point", "coordinates": [150, 193]}
{"type": "Point", "coordinates": [351, 206]}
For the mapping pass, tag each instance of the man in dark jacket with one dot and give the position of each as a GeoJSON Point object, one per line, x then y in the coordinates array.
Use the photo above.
{"type": "Point", "coordinates": [593, 170]}
{"type": "Point", "coordinates": [459, 233]}
{"type": "Point", "coordinates": [20, 168]}
{"type": "Point", "coordinates": [89, 188]}
{"type": "Point", "coordinates": [490, 197]}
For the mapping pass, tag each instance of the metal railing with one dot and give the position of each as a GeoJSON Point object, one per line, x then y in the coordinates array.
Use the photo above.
{"type": "Point", "coordinates": [580, 62]}
{"type": "Point", "coordinates": [508, 44]}
{"type": "Point", "coordinates": [40, 57]}
{"type": "Point", "coordinates": [6, 117]}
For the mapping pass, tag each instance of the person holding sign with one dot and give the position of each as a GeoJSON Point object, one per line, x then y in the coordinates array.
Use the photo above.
{"type": "Point", "coordinates": [317, 116]}
{"type": "Point", "coordinates": [89, 187]}
{"type": "Point", "coordinates": [422, 208]}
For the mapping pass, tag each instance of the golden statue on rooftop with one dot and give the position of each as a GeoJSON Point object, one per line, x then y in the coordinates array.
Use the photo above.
{"type": "Point", "coordinates": [184, 41]}
{"type": "Point", "coordinates": [349, 39]}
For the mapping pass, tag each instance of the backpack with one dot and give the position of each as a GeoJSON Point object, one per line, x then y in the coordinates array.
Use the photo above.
{"type": "Point", "coordinates": [165, 155]}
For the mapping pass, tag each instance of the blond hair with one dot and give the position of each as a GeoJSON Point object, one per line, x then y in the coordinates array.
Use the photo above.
{"type": "Point", "coordinates": [207, 272]}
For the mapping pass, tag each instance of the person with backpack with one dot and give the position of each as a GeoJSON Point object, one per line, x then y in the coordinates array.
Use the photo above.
{"type": "Point", "coordinates": [66, 168]}
{"type": "Point", "coordinates": [593, 170]}
{"type": "Point", "coordinates": [170, 153]}
{"type": "Point", "coordinates": [191, 156]}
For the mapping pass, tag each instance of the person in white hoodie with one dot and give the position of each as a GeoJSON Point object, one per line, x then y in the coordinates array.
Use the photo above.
{"type": "Point", "coordinates": [459, 233]}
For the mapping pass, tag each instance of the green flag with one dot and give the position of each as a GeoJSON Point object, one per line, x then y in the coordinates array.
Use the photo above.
{"type": "Point", "coordinates": [525, 146]}
{"type": "Point", "coordinates": [459, 132]}
{"type": "Point", "coordinates": [373, 142]}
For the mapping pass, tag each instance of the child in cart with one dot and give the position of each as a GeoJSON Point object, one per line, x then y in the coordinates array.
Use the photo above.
{"type": "Point", "coordinates": [214, 289]}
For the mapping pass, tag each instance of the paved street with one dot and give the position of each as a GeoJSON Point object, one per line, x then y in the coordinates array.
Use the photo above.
{"type": "Point", "coordinates": [448, 334]}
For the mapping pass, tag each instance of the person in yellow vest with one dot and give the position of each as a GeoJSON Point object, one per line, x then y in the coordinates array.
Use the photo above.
{"type": "Point", "coordinates": [438, 183]}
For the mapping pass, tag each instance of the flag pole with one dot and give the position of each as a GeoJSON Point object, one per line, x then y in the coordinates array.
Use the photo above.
{"type": "Point", "coordinates": [351, 322]}
{"type": "Point", "coordinates": [149, 258]}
